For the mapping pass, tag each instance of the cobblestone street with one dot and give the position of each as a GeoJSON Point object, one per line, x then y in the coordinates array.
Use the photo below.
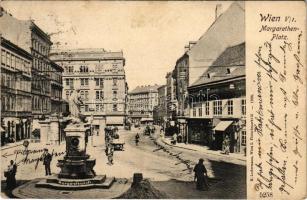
{"type": "Point", "coordinates": [167, 171]}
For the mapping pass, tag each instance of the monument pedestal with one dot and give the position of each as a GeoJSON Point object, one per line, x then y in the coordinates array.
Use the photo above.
{"type": "Point", "coordinates": [77, 168]}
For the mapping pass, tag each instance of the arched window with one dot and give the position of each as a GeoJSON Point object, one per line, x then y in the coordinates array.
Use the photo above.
{"type": "Point", "coordinates": [83, 69]}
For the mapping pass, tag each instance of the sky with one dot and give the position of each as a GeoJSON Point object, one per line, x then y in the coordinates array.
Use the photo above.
{"type": "Point", "coordinates": [152, 35]}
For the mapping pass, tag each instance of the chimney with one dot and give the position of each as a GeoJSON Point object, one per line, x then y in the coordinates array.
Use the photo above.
{"type": "Point", "coordinates": [186, 48]}
{"type": "Point", "coordinates": [218, 10]}
{"type": "Point", "coordinates": [191, 44]}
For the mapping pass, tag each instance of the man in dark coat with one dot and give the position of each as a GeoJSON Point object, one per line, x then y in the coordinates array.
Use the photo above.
{"type": "Point", "coordinates": [47, 161]}
{"type": "Point", "coordinates": [10, 176]}
{"type": "Point", "coordinates": [200, 171]}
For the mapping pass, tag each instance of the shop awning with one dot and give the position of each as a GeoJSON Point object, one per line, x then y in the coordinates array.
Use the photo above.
{"type": "Point", "coordinates": [146, 119]}
{"type": "Point", "coordinates": [115, 120]}
{"type": "Point", "coordinates": [1, 129]}
{"type": "Point", "coordinates": [222, 125]}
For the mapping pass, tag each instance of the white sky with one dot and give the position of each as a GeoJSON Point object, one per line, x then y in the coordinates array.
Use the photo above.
{"type": "Point", "coordinates": [152, 35]}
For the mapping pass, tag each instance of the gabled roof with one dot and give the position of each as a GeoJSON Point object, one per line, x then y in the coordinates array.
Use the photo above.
{"type": "Point", "coordinates": [227, 30]}
{"type": "Point", "coordinates": [145, 89]}
{"type": "Point", "coordinates": [230, 64]}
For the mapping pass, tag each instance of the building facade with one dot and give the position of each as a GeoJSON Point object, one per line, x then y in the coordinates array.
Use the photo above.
{"type": "Point", "coordinates": [16, 95]}
{"type": "Point", "coordinates": [218, 105]}
{"type": "Point", "coordinates": [142, 101]}
{"type": "Point", "coordinates": [56, 84]}
{"type": "Point", "coordinates": [161, 114]}
{"type": "Point", "coordinates": [100, 77]}
{"type": "Point", "coordinates": [171, 101]}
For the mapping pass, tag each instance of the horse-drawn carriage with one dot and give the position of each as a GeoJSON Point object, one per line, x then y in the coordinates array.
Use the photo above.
{"type": "Point", "coordinates": [112, 137]}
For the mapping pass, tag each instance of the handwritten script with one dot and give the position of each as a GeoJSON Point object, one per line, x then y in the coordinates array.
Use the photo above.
{"type": "Point", "coordinates": [277, 120]}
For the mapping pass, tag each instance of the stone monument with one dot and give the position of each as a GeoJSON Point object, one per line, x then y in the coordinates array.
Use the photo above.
{"type": "Point", "coordinates": [77, 168]}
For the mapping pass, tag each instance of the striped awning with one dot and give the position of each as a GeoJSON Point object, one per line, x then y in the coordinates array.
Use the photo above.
{"type": "Point", "coordinates": [222, 125]}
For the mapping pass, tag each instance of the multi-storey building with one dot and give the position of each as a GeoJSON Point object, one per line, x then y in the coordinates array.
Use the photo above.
{"type": "Point", "coordinates": [56, 88]}
{"type": "Point", "coordinates": [217, 103]}
{"type": "Point", "coordinates": [100, 77]}
{"type": "Point", "coordinates": [160, 116]}
{"type": "Point", "coordinates": [142, 101]}
{"type": "Point", "coordinates": [15, 92]}
{"type": "Point", "coordinates": [171, 101]}
{"type": "Point", "coordinates": [28, 36]}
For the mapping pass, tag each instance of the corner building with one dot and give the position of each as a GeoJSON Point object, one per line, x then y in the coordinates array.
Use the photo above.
{"type": "Point", "coordinates": [100, 76]}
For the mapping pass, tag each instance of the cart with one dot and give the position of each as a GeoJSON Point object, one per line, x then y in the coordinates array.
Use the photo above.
{"type": "Point", "coordinates": [118, 144]}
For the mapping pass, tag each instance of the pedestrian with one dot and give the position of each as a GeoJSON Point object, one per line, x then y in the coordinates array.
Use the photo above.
{"type": "Point", "coordinates": [137, 139]}
{"type": "Point", "coordinates": [10, 174]}
{"type": "Point", "coordinates": [174, 139]}
{"type": "Point", "coordinates": [110, 154]}
{"type": "Point", "coordinates": [201, 175]}
{"type": "Point", "coordinates": [47, 161]}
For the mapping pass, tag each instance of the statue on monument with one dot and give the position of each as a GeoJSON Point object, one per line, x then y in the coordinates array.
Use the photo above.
{"type": "Point", "coordinates": [75, 102]}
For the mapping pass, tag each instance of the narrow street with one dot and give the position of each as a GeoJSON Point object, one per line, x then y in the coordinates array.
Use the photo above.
{"type": "Point", "coordinates": [162, 167]}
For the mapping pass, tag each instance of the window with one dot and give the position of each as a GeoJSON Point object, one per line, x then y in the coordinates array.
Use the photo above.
{"type": "Point", "coordinates": [207, 111]}
{"type": "Point", "coordinates": [114, 94]}
{"type": "Point", "coordinates": [86, 108]}
{"type": "Point", "coordinates": [194, 112]}
{"type": "Point", "coordinates": [3, 58]}
{"type": "Point", "coordinates": [83, 69]}
{"type": "Point", "coordinates": [8, 60]}
{"type": "Point", "coordinates": [114, 107]}
{"type": "Point", "coordinates": [99, 82]}
{"type": "Point", "coordinates": [200, 112]}
{"type": "Point", "coordinates": [114, 81]}
{"type": "Point", "coordinates": [99, 107]}
{"type": "Point", "coordinates": [243, 137]}
{"type": "Point", "coordinates": [67, 94]}
{"type": "Point", "coordinates": [86, 95]}
{"type": "Point", "coordinates": [217, 107]}
{"type": "Point", "coordinates": [82, 94]}
{"type": "Point", "coordinates": [84, 81]}
{"type": "Point", "coordinates": [99, 95]}
{"type": "Point", "coordinates": [70, 69]}
{"type": "Point", "coordinates": [67, 81]}
{"type": "Point", "coordinates": [230, 107]}
{"type": "Point", "coordinates": [243, 106]}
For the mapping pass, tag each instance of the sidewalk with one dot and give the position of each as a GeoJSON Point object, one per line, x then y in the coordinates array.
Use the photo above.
{"type": "Point", "coordinates": [231, 158]}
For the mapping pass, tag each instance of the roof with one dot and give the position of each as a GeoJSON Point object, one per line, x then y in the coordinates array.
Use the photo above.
{"type": "Point", "coordinates": [227, 30]}
{"type": "Point", "coordinates": [145, 89]}
{"type": "Point", "coordinates": [84, 54]}
{"type": "Point", "coordinates": [230, 64]}
{"type": "Point", "coordinates": [13, 47]}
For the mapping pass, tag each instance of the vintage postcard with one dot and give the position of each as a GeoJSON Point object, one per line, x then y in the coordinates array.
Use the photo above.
{"type": "Point", "coordinates": [153, 99]}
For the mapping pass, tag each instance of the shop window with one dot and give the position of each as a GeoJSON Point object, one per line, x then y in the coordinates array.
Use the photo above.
{"type": "Point", "coordinates": [243, 137]}
{"type": "Point", "coordinates": [230, 107]}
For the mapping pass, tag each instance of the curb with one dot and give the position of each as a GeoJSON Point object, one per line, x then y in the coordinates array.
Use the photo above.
{"type": "Point", "coordinates": [243, 160]}
{"type": "Point", "coordinates": [9, 147]}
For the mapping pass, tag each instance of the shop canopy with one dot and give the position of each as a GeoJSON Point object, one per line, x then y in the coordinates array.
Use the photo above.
{"type": "Point", "coordinates": [1, 129]}
{"type": "Point", "coordinates": [222, 125]}
{"type": "Point", "coordinates": [115, 120]}
{"type": "Point", "coordinates": [146, 119]}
